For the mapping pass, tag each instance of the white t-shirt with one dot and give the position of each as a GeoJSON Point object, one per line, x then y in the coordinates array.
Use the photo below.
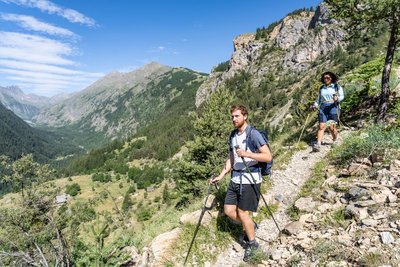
{"type": "Point", "coordinates": [245, 177]}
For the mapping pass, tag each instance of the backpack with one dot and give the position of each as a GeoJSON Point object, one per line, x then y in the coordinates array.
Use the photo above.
{"type": "Point", "coordinates": [265, 168]}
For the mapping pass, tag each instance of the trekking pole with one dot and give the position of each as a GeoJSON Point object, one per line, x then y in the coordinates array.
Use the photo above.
{"type": "Point", "coordinates": [265, 202]}
{"type": "Point", "coordinates": [302, 131]}
{"type": "Point", "coordinates": [199, 222]}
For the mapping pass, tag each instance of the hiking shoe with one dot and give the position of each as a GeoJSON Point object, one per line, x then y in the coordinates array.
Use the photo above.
{"type": "Point", "coordinates": [245, 237]}
{"type": "Point", "coordinates": [252, 246]}
{"type": "Point", "coordinates": [316, 148]}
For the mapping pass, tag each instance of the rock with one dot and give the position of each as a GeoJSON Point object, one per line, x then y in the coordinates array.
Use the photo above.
{"type": "Point", "coordinates": [293, 228]}
{"type": "Point", "coordinates": [278, 197]}
{"type": "Point", "coordinates": [329, 195]}
{"type": "Point", "coordinates": [211, 202]}
{"type": "Point", "coordinates": [276, 254]}
{"type": "Point", "coordinates": [306, 243]}
{"type": "Point", "coordinates": [386, 238]}
{"type": "Point", "coordinates": [357, 169]}
{"type": "Point", "coordinates": [161, 245]}
{"type": "Point", "coordinates": [302, 235]}
{"type": "Point", "coordinates": [193, 218]}
{"type": "Point", "coordinates": [365, 203]}
{"type": "Point", "coordinates": [369, 222]}
{"type": "Point", "coordinates": [330, 180]}
{"type": "Point", "coordinates": [364, 161]}
{"type": "Point", "coordinates": [135, 257]}
{"type": "Point", "coordinates": [382, 174]}
{"type": "Point", "coordinates": [308, 218]}
{"type": "Point", "coordinates": [356, 192]}
{"type": "Point", "coordinates": [397, 184]}
{"type": "Point", "coordinates": [344, 239]}
{"type": "Point", "coordinates": [394, 165]}
{"type": "Point", "coordinates": [325, 207]}
{"type": "Point", "coordinates": [305, 204]}
{"type": "Point", "coordinates": [357, 213]}
{"type": "Point", "coordinates": [337, 264]}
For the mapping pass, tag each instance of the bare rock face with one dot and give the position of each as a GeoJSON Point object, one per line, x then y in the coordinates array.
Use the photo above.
{"type": "Point", "coordinates": [291, 30]}
{"type": "Point", "coordinates": [293, 44]}
{"type": "Point", "coordinates": [160, 247]}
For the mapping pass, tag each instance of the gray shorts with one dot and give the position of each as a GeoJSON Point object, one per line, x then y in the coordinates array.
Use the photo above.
{"type": "Point", "coordinates": [245, 200]}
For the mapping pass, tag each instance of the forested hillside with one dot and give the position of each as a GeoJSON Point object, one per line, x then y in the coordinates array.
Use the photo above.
{"type": "Point", "coordinates": [18, 138]}
{"type": "Point", "coordinates": [120, 104]}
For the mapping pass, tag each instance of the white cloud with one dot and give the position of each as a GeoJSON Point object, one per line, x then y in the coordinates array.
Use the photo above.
{"type": "Point", "coordinates": [51, 8]}
{"type": "Point", "coordinates": [42, 63]}
{"type": "Point", "coordinates": [31, 23]}
{"type": "Point", "coordinates": [32, 48]}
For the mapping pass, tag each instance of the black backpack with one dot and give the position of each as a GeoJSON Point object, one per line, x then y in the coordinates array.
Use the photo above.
{"type": "Point", "coordinates": [264, 167]}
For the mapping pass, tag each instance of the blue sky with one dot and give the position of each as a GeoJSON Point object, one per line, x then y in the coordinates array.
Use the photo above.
{"type": "Point", "coordinates": [61, 46]}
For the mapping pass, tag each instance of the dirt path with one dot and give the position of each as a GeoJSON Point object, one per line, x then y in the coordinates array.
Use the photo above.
{"type": "Point", "coordinates": [286, 183]}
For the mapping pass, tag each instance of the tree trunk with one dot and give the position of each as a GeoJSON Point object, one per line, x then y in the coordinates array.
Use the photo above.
{"type": "Point", "coordinates": [385, 90]}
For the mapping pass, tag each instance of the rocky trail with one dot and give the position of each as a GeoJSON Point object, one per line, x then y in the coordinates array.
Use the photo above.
{"type": "Point", "coordinates": [352, 219]}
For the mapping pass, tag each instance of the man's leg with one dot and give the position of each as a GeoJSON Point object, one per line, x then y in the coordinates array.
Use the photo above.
{"type": "Point", "coordinates": [231, 212]}
{"type": "Point", "coordinates": [248, 223]}
{"type": "Point", "coordinates": [320, 134]}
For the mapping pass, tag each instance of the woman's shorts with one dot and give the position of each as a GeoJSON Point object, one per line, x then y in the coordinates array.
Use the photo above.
{"type": "Point", "coordinates": [328, 112]}
{"type": "Point", "coordinates": [245, 200]}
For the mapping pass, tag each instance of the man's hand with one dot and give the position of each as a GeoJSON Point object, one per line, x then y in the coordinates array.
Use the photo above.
{"type": "Point", "coordinates": [215, 180]}
{"type": "Point", "coordinates": [312, 107]}
{"type": "Point", "coordinates": [241, 152]}
{"type": "Point", "coordinates": [335, 98]}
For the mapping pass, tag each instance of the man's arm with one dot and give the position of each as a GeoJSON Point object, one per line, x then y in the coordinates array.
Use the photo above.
{"type": "Point", "coordinates": [263, 154]}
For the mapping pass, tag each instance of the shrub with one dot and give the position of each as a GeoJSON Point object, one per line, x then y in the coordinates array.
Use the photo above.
{"type": "Point", "coordinates": [376, 141]}
{"type": "Point", "coordinates": [73, 189]}
{"type": "Point", "coordinates": [101, 177]}
{"type": "Point", "coordinates": [143, 214]}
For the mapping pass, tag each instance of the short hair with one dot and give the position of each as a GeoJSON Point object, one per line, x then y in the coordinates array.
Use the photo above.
{"type": "Point", "coordinates": [334, 77]}
{"type": "Point", "coordinates": [242, 109]}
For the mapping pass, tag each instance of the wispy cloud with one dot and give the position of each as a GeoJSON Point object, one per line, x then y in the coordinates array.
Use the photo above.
{"type": "Point", "coordinates": [157, 49]}
{"type": "Point", "coordinates": [31, 23]}
{"type": "Point", "coordinates": [32, 48]}
{"type": "Point", "coordinates": [51, 8]}
{"type": "Point", "coordinates": [42, 63]}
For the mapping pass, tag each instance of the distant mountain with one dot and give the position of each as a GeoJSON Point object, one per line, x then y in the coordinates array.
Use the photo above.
{"type": "Point", "coordinates": [24, 105]}
{"type": "Point", "coordinates": [17, 137]}
{"type": "Point", "coordinates": [119, 104]}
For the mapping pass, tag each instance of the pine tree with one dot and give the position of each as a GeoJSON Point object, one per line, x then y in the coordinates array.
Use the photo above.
{"type": "Point", "coordinates": [209, 149]}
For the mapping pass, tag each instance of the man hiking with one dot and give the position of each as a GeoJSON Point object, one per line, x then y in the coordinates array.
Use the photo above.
{"type": "Point", "coordinates": [243, 193]}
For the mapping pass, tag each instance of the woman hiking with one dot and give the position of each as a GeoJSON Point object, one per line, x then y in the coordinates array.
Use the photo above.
{"type": "Point", "coordinates": [329, 96]}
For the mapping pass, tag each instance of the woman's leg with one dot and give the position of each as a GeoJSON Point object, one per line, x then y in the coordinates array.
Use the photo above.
{"type": "Point", "coordinates": [334, 132]}
{"type": "Point", "coordinates": [320, 133]}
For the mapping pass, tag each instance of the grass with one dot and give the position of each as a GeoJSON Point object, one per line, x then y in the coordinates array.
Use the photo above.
{"type": "Point", "coordinates": [336, 218]}
{"type": "Point", "coordinates": [208, 244]}
{"type": "Point", "coordinates": [315, 181]}
{"type": "Point", "coordinates": [263, 212]}
{"type": "Point", "coordinates": [293, 213]}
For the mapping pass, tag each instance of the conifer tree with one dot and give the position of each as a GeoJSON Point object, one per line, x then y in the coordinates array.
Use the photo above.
{"type": "Point", "coordinates": [209, 149]}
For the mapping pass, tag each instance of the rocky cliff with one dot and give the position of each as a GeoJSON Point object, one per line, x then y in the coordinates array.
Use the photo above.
{"type": "Point", "coordinates": [291, 46]}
